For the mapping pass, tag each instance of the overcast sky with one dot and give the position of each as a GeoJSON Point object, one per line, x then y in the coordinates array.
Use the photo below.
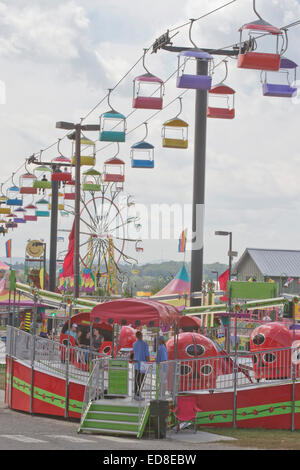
{"type": "Point", "coordinates": [57, 60]}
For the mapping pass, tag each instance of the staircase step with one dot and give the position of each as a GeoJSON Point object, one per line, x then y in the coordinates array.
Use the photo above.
{"type": "Point", "coordinates": [115, 408]}
{"type": "Point", "coordinates": [104, 416]}
{"type": "Point", "coordinates": [111, 425]}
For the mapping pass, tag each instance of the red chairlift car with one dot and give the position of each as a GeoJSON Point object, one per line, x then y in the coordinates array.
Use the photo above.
{"type": "Point", "coordinates": [226, 93]}
{"type": "Point", "coordinates": [248, 58]}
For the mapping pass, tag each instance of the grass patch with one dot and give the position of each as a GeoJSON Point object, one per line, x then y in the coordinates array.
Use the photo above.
{"type": "Point", "coordinates": [267, 439]}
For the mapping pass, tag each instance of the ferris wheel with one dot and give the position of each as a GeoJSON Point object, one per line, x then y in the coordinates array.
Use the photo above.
{"type": "Point", "coordinates": [109, 229]}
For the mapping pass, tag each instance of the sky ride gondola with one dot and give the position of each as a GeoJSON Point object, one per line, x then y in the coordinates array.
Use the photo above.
{"type": "Point", "coordinates": [188, 80]}
{"type": "Point", "coordinates": [69, 191]}
{"type": "Point", "coordinates": [145, 87]}
{"type": "Point", "coordinates": [43, 208]}
{"type": "Point", "coordinates": [91, 180]}
{"type": "Point", "coordinates": [30, 215]}
{"type": "Point", "coordinates": [192, 81]}
{"type": "Point", "coordinates": [222, 112]}
{"type": "Point", "coordinates": [87, 152]}
{"type": "Point", "coordinates": [13, 196]}
{"type": "Point", "coordinates": [59, 175]}
{"type": "Point", "coordinates": [281, 90]}
{"type": "Point", "coordinates": [142, 153]}
{"type": "Point", "coordinates": [248, 58]}
{"type": "Point", "coordinates": [114, 170]}
{"type": "Point", "coordinates": [5, 210]}
{"type": "Point", "coordinates": [226, 95]}
{"type": "Point", "coordinates": [26, 182]}
{"type": "Point", "coordinates": [42, 182]}
{"type": "Point", "coordinates": [18, 219]}
{"type": "Point", "coordinates": [175, 132]}
{"type": "Point", "coordinates": [112, 125]}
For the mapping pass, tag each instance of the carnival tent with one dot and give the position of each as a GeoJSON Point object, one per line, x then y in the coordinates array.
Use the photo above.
{"type": "Point", "coordinates": [179, 285]}
{"type": "Point", "coordinates": [3, 266]}
{"type": "Point", "coordinates": [136, 312]}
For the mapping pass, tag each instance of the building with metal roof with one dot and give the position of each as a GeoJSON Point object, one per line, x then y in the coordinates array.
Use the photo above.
{"type": "Point", "coordinates": [281, 266]}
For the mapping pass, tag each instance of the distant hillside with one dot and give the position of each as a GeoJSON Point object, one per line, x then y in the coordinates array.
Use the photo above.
{"type": "Point", "coordinates": [153, 277]}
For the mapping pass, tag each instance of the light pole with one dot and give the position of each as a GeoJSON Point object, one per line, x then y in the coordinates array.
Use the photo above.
{"type": "Point", "coordinates": [231, 254]}
{"type": "Point", "coordinates": [78, 128]}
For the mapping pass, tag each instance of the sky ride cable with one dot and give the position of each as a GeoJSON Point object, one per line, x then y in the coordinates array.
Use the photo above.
{"type": "Point", "coordinates": [295, 23]}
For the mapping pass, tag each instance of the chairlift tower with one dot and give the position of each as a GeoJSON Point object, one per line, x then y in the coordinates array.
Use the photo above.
{"type": "Point", "coordinates": [201, 105]}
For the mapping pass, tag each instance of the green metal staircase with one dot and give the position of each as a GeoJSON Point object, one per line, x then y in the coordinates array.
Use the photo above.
{"type": "Point", "coordinates": [107, 417]}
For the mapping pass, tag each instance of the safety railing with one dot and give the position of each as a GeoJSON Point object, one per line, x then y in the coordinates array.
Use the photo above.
{"type": "Point", "coordinates": [50, 356]}
{"type": "Point", "coordinates": [229, 372]}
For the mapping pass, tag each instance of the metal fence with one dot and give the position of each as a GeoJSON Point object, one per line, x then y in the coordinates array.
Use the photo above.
{"type": "Point", "coordinates": [107, 377]}
{"type": "Point", "coordinates": [226, 372]}
{"type": "Point", "coordinates": [63, 360]}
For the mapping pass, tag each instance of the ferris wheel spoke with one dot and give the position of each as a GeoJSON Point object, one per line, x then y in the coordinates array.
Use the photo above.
{"type": "Point", "coordinates": [108, 211]}
{"type": "Point", "coordinates": [96, 212]}
{"type": "Point", "coordinates": [93, 229]}
{"type": "Point", "coordinates": [88, 211]}
{"type": "Point", "coordinates": [95, 252]}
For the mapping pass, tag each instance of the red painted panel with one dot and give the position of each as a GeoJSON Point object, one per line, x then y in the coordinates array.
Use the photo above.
{"type": "Point", "coordinates": [259, 61]}
{"type": "Point", "coordinates": [20, 400]}
{"type": "Point", "coordinates": [145, 102]}
{"type": "Point", "coordinates": [50, 388]}
{"type": "Point", "coordinates": [220, 113]}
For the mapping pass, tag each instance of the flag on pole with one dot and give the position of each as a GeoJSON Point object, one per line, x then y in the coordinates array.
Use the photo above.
{"type": "Point", "coordinates": [8, 248]}
{"type": "Point", "coordinates": [182, 242]}
{"type": "Point", "coordinates": [223, 279]}
{"type": "Point", "coordinates": [68, 266]}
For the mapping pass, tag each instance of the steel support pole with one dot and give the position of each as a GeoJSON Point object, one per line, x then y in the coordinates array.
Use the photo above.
{"type": "Point", "coordinates": [227, 336]}
{"type": "Point", "coordinates": [53, 236]}
{"type": "Point", "coordinates": [45, 266]}
{"type": "Point", "coordinates": [199, 186]}
{"type": "Point", "coordinates": [77, 210]}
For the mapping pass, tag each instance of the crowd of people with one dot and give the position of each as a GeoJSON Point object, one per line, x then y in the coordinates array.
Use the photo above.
{"type": "Point", "coordinates": [84, 340]}
{"type": "Point", "coordinates": [140, 354]}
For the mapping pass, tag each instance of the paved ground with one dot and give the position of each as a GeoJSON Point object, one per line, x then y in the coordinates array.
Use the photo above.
{"type": "Point", "coordinates": [21, 431]}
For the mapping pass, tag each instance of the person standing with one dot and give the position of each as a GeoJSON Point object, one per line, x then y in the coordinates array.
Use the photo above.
{"type": "Point", "coordinates": [141, 356]}
{"type": "Point", "coordinates": [162, 361]}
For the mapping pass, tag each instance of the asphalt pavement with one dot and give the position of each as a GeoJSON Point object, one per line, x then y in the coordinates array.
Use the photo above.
{"type": "Point", "coordinates": [22, 431]}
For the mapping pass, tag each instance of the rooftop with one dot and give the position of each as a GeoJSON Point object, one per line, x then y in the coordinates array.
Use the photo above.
{"type": "Point", "coordinates": [273, 262]}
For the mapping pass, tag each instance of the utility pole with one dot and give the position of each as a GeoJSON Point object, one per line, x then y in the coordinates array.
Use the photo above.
{"type": "Point", "coordinates": [53, 235]}
{"type": "Point", "coordinates": [199, 186]}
